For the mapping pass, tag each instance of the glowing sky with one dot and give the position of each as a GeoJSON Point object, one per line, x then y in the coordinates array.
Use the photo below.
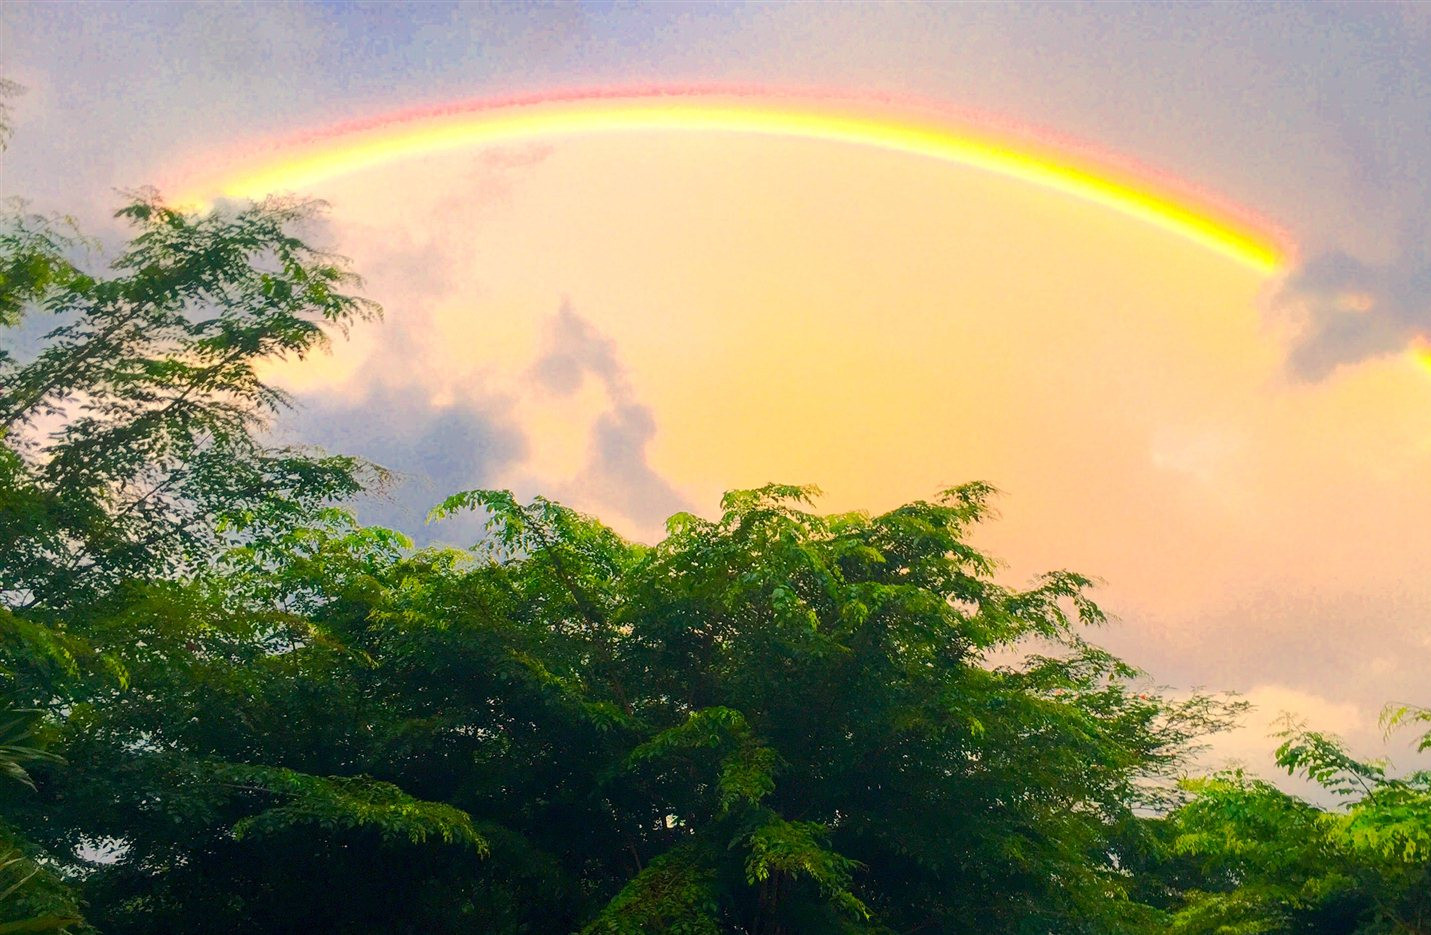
{"type": "Point", "coordinates": [636, 305]}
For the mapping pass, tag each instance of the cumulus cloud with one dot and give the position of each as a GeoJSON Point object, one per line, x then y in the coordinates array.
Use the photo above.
{"type": "Point", "coordinates": [1357, 310]}
{"type": "Point", "coordinates": [616, 472]}
{"type": "Point", "coordinates": [434, 450]}
{"type": "Point", "coordinates": [439, 441]}
{"type": "Point", "coordinates": [574, 349]}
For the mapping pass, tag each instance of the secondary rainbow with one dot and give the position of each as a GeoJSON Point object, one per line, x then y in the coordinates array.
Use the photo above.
{"type": "Point", "coordinates": [299, 165]}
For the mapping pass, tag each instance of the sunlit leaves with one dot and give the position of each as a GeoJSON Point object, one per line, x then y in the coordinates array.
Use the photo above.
{"type": "Point", "coordinates": [337, 803]}
{"type": "Point", "coordinates": [676, 894]}
{"type": "Point", "coordinates": [786, 852]}
{"type": "Point", "coordinates": [1285, 863]}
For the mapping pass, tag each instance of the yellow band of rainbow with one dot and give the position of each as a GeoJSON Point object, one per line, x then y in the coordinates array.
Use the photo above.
{"type": "Point", "coordinates": [299, 167]}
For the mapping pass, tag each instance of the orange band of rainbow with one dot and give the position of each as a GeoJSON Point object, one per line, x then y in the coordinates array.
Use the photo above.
{"type": "Point", "coordinates": [298, 166]}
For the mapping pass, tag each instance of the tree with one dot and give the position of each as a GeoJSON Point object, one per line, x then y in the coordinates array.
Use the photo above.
{"type": "Point", "coordinates": [32, 898]}
{"type": "Point", "coordinates": [130, 438]}
{"type": "Point", "coordinates": [1275, 863]}
{"type": "Point", "coordinates": [772, 722]}
{"type": "Point", "coordinates": [131, 450]}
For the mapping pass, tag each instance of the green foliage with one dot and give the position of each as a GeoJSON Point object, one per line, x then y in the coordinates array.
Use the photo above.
{"type": "Point", "coordinates": [131, 447]}
{"type": "Point", "coordinates": [346, 803]}
{"type": "Point", "coordinates": [1275, 863]}
{"type": "Point", "coordinates": [132, 456]}
{"type": "Point", "coordinates": [775, 721]}
{"type": "Point", "coordinates": [1402, 715]}
{"type": "Point", "coordinates": [746, 766]}
{"type": "Point", "coordinates": [676, 894]}
{"type": "Point", "coordinates": [19, 744]}
{"type": "Point", "coordinates": [784, 852]}
{"type": "Point", "coordinates": [32, 898]}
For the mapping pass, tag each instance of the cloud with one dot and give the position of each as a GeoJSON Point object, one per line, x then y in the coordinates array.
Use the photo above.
{"type": "Point", "coordinates": [1357, 310]}
{"type": "Point", "coordinates": [617, 472]}
{"type": "Point", "coordinates": [1364, 289]}
{"type": "Point", "coordinates": [575, 349]}
{"type": "Point", "coordinates": [441, 439]}
{"type": "Point", "coordinates": [436, 450]}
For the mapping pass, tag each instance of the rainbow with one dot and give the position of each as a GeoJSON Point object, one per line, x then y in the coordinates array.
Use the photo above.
{"type": "Point", "coordinates": [1058, 166]}
{"type": "Point", "coordinates": [1421, 351]}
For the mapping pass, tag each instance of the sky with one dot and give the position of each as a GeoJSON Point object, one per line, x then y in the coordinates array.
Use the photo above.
{"type": "Point", "coordinates": [633, 322]}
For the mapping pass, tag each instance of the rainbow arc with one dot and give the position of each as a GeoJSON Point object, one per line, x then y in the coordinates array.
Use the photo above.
{"type": "Point", "coordinates": [303, 164]}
